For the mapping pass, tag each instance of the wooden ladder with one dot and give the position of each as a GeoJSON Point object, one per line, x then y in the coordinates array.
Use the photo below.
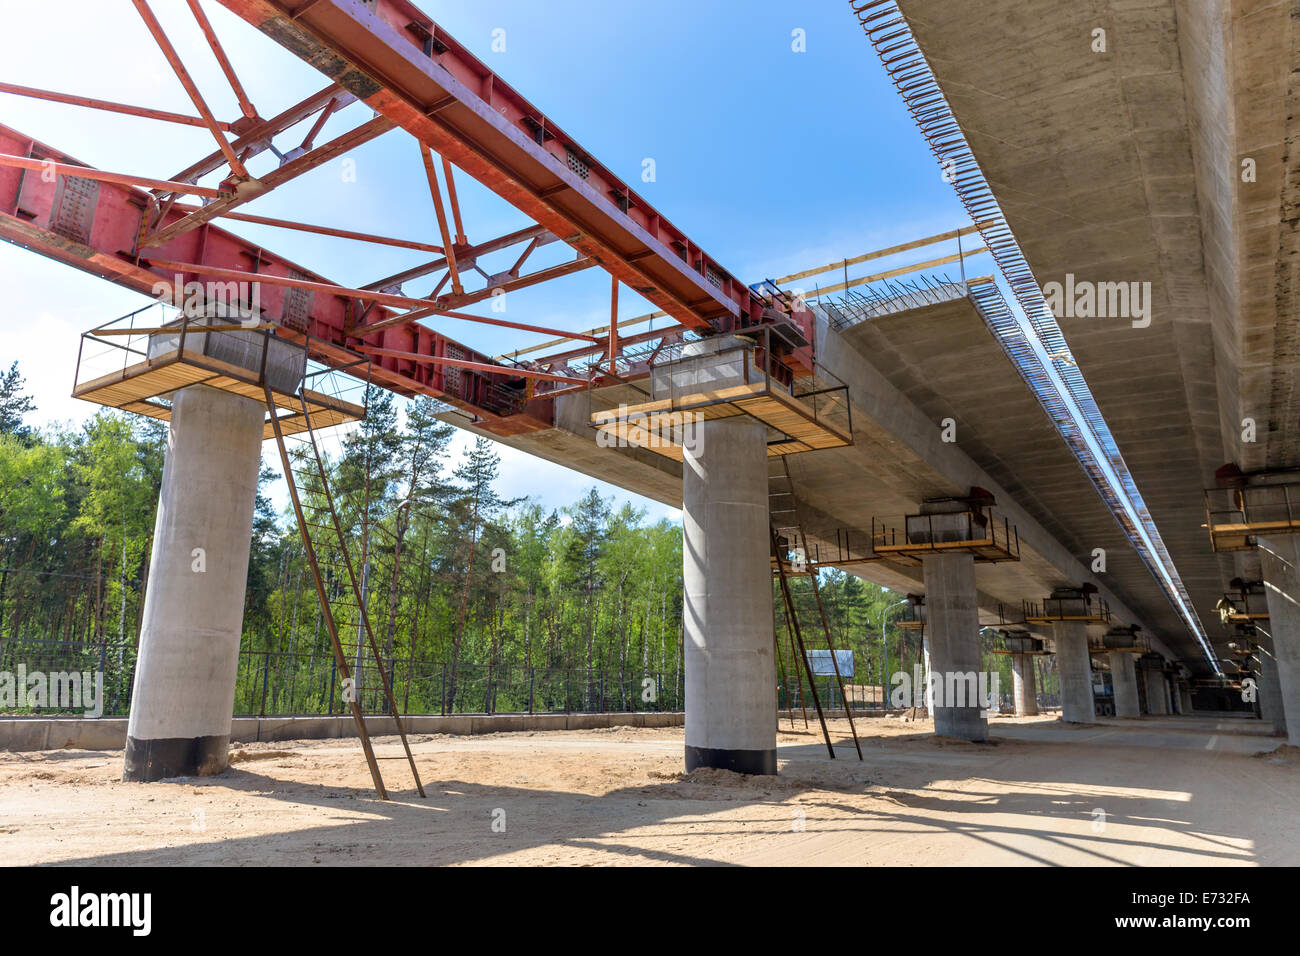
{"type": "Point", "coordinates": [338, 575]}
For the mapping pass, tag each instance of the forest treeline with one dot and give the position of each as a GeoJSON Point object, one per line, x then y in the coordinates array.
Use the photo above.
{"type": "Point", "coordinates": [478, 603]}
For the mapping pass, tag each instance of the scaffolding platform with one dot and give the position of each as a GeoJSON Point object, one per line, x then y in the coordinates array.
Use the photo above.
{"type": "Point", "coordinates": [849, 547]}
{"type": "Point", "coordinates": [727, 377]}
{"type": "Point", "coordinates": [913, 616]}
{"type": "Point", "coordinates": [979, 533]}
{"type": "Point", "coordinates": [1245, 606]}
{"type": "Point", "coordinates": [658, 425]}
{"type": "Point", "coordinates": [154, 362]}
{"type": "Point", "coordinates": [1019, 643]}
{"type": "Point", "coordinates": [1058, 611]}
{"type": "Point", "coordinates": [1237, 516]}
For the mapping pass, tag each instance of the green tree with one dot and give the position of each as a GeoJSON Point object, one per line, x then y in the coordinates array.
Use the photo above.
{"type": "Point", "coordinates": [14, 405]}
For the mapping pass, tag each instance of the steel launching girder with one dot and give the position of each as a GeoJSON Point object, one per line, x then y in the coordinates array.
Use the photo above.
{"type": "Point", "coordinates": [389, 54]}
{"type": "Point", "coordinates": [96, 227]}
{"type": "Point", "coordinates": [392, 56]}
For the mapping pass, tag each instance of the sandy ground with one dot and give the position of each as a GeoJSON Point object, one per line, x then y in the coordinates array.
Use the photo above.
{"type": "Point", "coordinates": [1160, 791]}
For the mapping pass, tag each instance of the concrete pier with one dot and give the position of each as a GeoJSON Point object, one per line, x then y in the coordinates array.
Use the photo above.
{"type": "Point", "coordinates": [952, 638]}
{"type": "Point", "coordinates": [1157, 692]}
{"type": "Point", "coordinates": [727, 577]}
{"type": "Point", "coordinates": [1075, 669]}
{"type": "Point", "coordinates": [1280, 560]}
{"type": "Point", "coordinates": [194, 605]}
{"type": "Point", "coordinates": [1269, 693]}
{"type": "Point", "coordinates": [1026, 685]}
{"type": "Point", "coordinates": [1123, 681]}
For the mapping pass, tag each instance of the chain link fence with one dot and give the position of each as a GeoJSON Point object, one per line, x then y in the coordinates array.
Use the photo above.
{"type": "Point", "coordinates": [281, 684]}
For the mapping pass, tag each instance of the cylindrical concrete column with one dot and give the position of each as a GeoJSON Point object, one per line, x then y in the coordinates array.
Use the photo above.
{"type": "Point", "coordinates": [1279, 557]}
{"type": "Point", "coordinates": [1123, 680]}
{"type": "Point", "coordinates": [1075, 669]}
{"type": "Point", "coordinates": [1184, 698]}
{"type": "Point", "coordinates": [952, 636]}
{"type": "Point", "coordinates": [727, 576]}
{"type": "Point", "coordinates": [1157, 693]}
{"type": "Point", "coordinates": [1026, 685]}
{"type": "Point", "coordinates": [1269, 693]}
{"type": "Point", "coordinates": [194, 604]}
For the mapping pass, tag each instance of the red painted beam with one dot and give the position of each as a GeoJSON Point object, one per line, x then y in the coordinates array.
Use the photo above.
{"type": "Point", "coordinates": [94, 226]}
{"type": "Point", "coordinates": [330, 288]}
{"type": "Point", "coordinates": [255, 136]}
{"type": "Point", "coordinates": [45, 166]}
{"type": "Point", "coordinates": [478, 366]}
{"type": "Point", "coordinates": [320, 230]}
{"type": "Point", "coordinates": [141, 111]}
{"type": "Point", "coordinates": [252, 188]}
{"type": "Point", "coordinates": [394, 57]}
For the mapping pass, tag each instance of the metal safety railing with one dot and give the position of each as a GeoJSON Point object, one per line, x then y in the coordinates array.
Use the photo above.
{"type": "Point", "coordinates": [1236, 516]}
{"type": "Point", "coordinates": [235, 353]}
{"type": "Point", "coordinates": [980, 531]}
{"type": "Point", "coordinates": [747, 361]}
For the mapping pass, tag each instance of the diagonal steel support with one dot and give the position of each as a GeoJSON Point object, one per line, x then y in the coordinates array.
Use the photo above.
{"type": "Point", "coordinates": [183, 75]}
{"type": "Point", "coordinates": [436, 192]}
{"type": "Point", "coordinates": [245, 104]}
{"type": "Point", "coordinates": [253, 188]}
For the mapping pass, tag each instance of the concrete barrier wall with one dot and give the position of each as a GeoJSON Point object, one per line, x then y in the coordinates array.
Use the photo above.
{"type": "Point", "coordinates": [109, 733]}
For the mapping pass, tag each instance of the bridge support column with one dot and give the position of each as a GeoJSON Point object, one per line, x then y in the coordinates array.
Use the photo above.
{"type": "Point", "coordinates": [1157, 692]}
{"type": "Point", "coordinates": [1123, 680]}
{"type": "Point", "coordinates": [952, 636]}
{"type": "Point", "coordinates": [1280, 560]}
{"type": "Point", "coordinates": [727, 575]}
{"type": "Point", "coordinates": [1075, 670]}
{"type": "Point", "coordinates": [1184, 699]}
{"type": "Point", "coordinates": [194, 603]}
{"type": "Point", "coordinates": [1026, 685]}
{"type": "Point", "coordinates": [1269, 693]}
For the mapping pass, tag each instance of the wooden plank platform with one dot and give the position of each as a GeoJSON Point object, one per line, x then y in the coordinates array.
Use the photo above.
{"type": "Point", "coordinates": [1241, 536]}
{"type": "Point", "coordinates": [1245, 617]}
{"type": "Point", "coordinates": [138, 387]}
{"type": "Point", "coordinates": [1058, 618]}
{"type": "Point", "coordinates": [782, 412]}
{"type": "Point", "coordinates": [986, 551]}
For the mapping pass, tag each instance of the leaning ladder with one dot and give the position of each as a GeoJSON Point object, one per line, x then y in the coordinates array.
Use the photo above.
{"type": "Point", "coordinates": [316, 469]}
{"type": "Point", "coordinates": [781, 490]}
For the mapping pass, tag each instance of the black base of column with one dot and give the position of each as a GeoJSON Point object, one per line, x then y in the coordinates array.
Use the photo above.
{"type": "Point", "coordinates": [964, 723]}
{"type": "Point", "coordinates": [159, 759]}
{"type": "Point", "coordinates": [740, 761]}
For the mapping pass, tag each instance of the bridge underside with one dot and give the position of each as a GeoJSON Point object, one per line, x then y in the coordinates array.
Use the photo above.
{"type": "Point", "coordinates": [907, 371]}
{"type": "Point", "coordinates": [1166, 158]}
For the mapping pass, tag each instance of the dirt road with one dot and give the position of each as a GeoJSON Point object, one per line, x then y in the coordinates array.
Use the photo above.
{"type": "Point", "coordinates": [1159, 791]}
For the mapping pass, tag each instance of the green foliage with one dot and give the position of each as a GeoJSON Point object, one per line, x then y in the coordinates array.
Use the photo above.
{"type": "Point", "coordinates": [14, 405]}
{"type": "Point", "coordinates": [477, 602]}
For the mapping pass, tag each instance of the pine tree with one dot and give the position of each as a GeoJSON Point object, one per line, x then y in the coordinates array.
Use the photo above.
{"type": "Point", "coordinates": [14, 405]}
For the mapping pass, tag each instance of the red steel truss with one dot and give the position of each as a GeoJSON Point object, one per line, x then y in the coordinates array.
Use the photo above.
{"type": "Point", "coordinates": [391, 56]}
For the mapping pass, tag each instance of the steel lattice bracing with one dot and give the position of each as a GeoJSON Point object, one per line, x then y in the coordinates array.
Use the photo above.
{"type": "Point", "coordinates": [138, 232]}
{"type": "Point", "coordinates": [389, 54]}
{"type": "Point", "coordinates": [95, 226]}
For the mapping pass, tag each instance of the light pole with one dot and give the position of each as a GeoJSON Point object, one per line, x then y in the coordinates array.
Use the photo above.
{"type": "Point", "coordinates": [884, 650]}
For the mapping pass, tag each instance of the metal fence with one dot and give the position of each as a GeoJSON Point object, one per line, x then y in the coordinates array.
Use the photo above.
{"type": "Point", "coordinates": [271, 683]}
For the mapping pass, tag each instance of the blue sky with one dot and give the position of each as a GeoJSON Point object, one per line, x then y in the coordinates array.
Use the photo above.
{"type": "Point", "coordinates": [773, 160]}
